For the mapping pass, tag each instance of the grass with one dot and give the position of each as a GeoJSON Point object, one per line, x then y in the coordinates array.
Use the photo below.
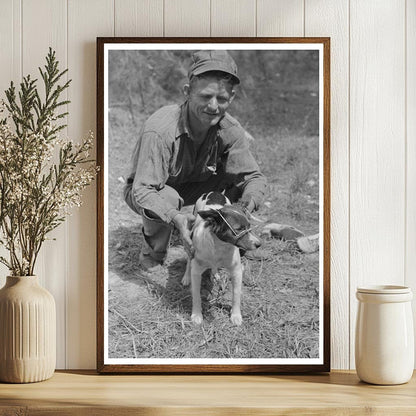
{"type": "Point", "coordinates": [149, 316]}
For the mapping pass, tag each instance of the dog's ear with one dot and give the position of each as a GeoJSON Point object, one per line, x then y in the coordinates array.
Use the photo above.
{"type": "Point", "coordinates": [209, 214]}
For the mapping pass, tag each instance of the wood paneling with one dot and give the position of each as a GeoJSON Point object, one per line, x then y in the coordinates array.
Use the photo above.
{"type": "Point", "coordinates": [330, 18]}
{"type": "Point", "coordinates": [377, 147]}
{"type": "Point", "coordinates": [187, 18]}
{"type": "Point", "coordinates": [410, 231]}
{"type": "Point", "coordinates": [86, 20]}
{"type": "Point", "coordinates": [10, 65]}
{"type": "Point", "coordinates": [138, 17]}
{"type": "Point", "coordinates": [44, 25]}
{"type": "Point", "coordinates": [10, 44]}
{"type": "Point", "coordinates": [280, 18]}
{"type": "Point", "coordinates": [233, 18]}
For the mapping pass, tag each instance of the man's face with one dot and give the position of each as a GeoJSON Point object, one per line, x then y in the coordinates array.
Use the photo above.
{"type": "Point", "coordinates": [208, 100]}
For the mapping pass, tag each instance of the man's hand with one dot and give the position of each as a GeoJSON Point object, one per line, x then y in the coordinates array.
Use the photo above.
{"type": "Point", "coordinates": [249, 205]}
{"type": "Point", "coordinates": [183, 223]}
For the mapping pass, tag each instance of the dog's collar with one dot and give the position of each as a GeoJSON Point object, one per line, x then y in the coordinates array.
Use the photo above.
{"type": "Point", "coordinates": [236, 235]}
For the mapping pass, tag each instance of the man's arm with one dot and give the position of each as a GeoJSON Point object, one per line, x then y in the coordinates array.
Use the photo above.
{"type": "Point", "coordinates": [151, 158]}
{"type": "Point", "coordinates": [241, 163]}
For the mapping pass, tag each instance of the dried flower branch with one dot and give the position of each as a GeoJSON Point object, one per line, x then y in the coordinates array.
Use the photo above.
{"type": "Point", "coordinates": [41, 175]}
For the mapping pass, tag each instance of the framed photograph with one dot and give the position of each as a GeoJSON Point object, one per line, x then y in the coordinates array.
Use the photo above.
{"type": "Point", "coordinates": [213, 217]}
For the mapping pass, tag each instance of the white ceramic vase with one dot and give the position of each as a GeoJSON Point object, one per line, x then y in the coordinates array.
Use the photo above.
{"type": "Point", "coordinates": [384, 343]}
{"type": "Point", "coordinates": [27, 331]}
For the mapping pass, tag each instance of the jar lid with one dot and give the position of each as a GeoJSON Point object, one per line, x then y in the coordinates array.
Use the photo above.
{"type": "Point", "coordinates": [384, 289]}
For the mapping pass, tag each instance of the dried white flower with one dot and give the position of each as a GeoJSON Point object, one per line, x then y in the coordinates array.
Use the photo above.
{"type": "Point", "coordinates": [42, 175]}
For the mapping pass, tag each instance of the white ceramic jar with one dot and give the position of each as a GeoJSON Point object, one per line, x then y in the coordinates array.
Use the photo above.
{"type": "Point", "coordinates": [384, 343]}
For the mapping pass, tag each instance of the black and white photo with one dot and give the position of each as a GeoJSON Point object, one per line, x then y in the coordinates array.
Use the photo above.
{"type": "Point", "coordinates": [213, 205]}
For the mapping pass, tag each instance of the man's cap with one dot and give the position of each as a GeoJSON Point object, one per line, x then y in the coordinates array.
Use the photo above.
{"type": "Point", "coordinates": [219, 60]}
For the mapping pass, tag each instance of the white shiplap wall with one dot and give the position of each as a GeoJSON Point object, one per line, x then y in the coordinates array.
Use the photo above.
{"type": "Point", "coordinates": [373, 132]}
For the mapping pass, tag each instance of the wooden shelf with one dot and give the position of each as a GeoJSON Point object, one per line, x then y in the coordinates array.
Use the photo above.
{"type": "Point", "coordinates": [86, 393]}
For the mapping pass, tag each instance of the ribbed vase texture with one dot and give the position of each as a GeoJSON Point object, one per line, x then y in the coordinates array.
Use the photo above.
{"type": "Point", "coordinates": [27, 331]}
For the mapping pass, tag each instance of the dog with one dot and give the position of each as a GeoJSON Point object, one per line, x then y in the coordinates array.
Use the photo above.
{"type": "Point", "coordinates": [219, 232]}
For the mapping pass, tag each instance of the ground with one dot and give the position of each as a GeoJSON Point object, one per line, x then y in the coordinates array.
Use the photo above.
{"type": "Point", "coordinates": [149, 316]}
